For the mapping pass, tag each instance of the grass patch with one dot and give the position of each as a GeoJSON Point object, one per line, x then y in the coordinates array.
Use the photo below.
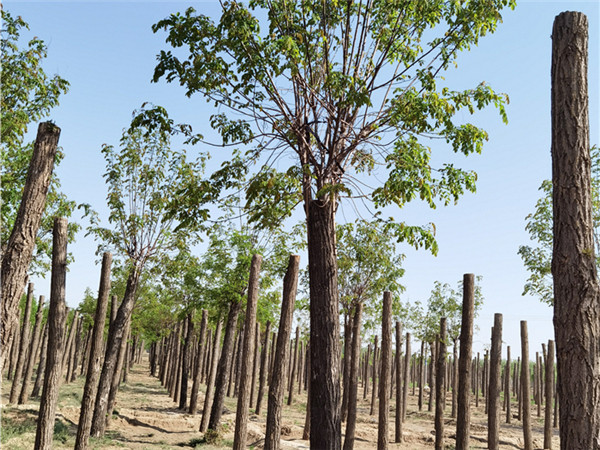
{"type": "Point", "coordinates": [61, 432]}
{"type": "Point", "coordinates": [15, 426]}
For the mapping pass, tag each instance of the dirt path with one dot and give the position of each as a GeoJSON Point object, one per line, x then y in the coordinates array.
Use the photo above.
{"type": "Point", "coordinates": [146, 418]}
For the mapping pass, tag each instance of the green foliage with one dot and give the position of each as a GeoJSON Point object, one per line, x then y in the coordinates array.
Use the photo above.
{"type": "Point", "coordinates": [28, 95]}
{"type": "Point", "coordinates": [444, 301]}
{"type": "Point", "coordinates": [348, 89]}
{"type": "Point", "coordinates": [537, 258]}
{"type": "Point", "coordinates": [368, 265]}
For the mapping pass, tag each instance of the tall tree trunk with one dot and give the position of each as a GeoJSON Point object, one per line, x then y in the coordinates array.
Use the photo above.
{"type": "Point", "coordinates": [494, 388]}
{"type": "Point", "coordinates": [263, 366]}
{"type": "Point", "coordinates": [405, 382]}
{"type": "Point", "coordinates": [507, 386]}
{"type": "Point", "coordinates": [56, 325]}
{"type": "Point", "coordinates": [116, 380]}
{"type": "Point", "coordinates": [353, 378]}
{"type": "Point", "coordinates": [95, 358]}
{"type": "Point", "coordinates": [576, 287]}
{"type": "Point", "coordinates": [78, 344]}
{"type": "Point", "coordinates": [374, 375]}
{"type": "Point", "coordinates": [23, 346]}
{"type": "Point", "coordinates": [549, 394]}
{"type": "Point", "coordinates": [525, 403]}
{"type": "Point", "coordinates": [37, 331]}
{"type": "Point", "coordinates": [199, 359]}
{"type": "Point", "coordinates": [185, 366]}
{"type": "Point", "coordinates": [116, 333]}
{"type": "Point", "coordinates": [243, 405]}
{"type": "Point", "coordinates": [326, 425]}
{"type": "Point", "coordinates": [41, 369]}
{"type": "Point", "coordinates": [293, 371]}
{"type": "Point", "coordinates": [454, 378]}
{"type": "Point", "coordinates": [346, 363]}
{"type": "Point", "coordinates": [463, 420]}
{"type": "Point", "coordinates": [277, 384]}
{"type": "Point", "coordinates": [440, 392]}
{"type": "Point", "coordinates": [224, 366]}
{"type": "Point", "coordinates": [210, 382]}
{"type": "Point", "coordinates": [384, 377]}
{"type": "Point", "coordinates": [255, 362]}
{"type": "Point", "coordinates": [399, 386]}
{"type": "Point", "coordinates": [19, 249]}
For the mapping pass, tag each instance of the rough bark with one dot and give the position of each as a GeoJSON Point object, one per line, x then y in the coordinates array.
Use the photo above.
{"type": "Point", "coordinates": [41, 369]}
{"type": "Point", "coordinates": [440, 392]}
{"type": "Point", "coordinates": [116, 380]}
{"type": "Point", "coordinates": [326, 424]}
{"type": "Point", "coordinates": [353, 379]}
{"type": "Point", "coordinates": [463, 420]}
{"type": "Point", "coordinates": [525, 403]}
{"type": "Point", "coordinates": [576, 287]}
{"type": "Point", "coordinates": [346, 364]}
{"type": "Point", "coordinates": [384, 376]}
{"type": "Point", "coordinates": [494, 385]}
{"type": "Point", "coordinates": [262, 373]}
{"type": "Point", "coordinates": [294, 364]}
{"type": "Point", "coordinates": [243, 405]}
{"type": "Point", "coordinates": [199, 358]}
{"type": "Point", "coordinates": [549, 395]}
{"type": "Point", "coordinates": [23, 346]}
{"type": "Point", "coordinates": [277, 385]}
{"type": "Point", "coordinates": [405, 383]}
{"type": "Point", "coordinates": [21, 243]}
{"type": "Point", "coordinates": [210, 382]}
{"type": "Point", "coordinates": [95, 358]}
{"type": "Point", "coordinates": [56, 325]}
{"type": "Point", "coordinates": [255, 362]}
{"type": "Point", "coordinates": [374, 376]}
{"type": "Point", "coordinates": [37, 331]}
{"type": "Point", "coordinates": [185, 363]}
{"type": "Point", "coordinates": [399, 385]}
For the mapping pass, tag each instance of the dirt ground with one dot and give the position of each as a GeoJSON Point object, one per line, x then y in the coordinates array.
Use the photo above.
{"type": "Point", "coordinates": [146, 418]}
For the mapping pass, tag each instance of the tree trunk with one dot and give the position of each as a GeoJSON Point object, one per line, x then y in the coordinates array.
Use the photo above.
{"type": "Point", "coordinates": [277, 385]}
{"type": "Point", "coordinates": [576, 287]}
{"type": "Point", "coordinates": [41, 369]}
{"type": "Point", "coordinates": [210, 382]}
{"type": "Point", "coordinates": [463, 420]}
{"type": "Point", "coordinates": [185, 366]}
{"type": "Point", "coordinates": [37, 331]}
{"type": "Point", "coordinates": [224, 366]}
{"type": "Point", "coordinates": [454, 378]}
{"type": "Point", "coordinates": [23, 346]}
{"type": "Point", "coordinates": [440, 393]}
{"type": "Point", "coordinates": [549, 395]}
{"type": "Point", "coordinates": [95, 358]}
{"type": "Point", "coordinates": [116, 333]}
{"type": "Point", "coordinates": [199, 358]}
{"type": "Point", "coordinates": [353, 379]}
{"type": "Point", "coordinates": [384, 376]}
{"type": "Point", "coordinates": [346, 364]}
{"type": "Point", "coordinates": [326, 426]}
{"type": "Point", "coordinates": [374, 375]}
{"type": "Point", "coordinates": [294, 361]}
{"type": "Point", "coordinates": [243, 405]}
{"type": "Point", "coordinates": [399, 386]}
{"type": "Point", "coordinates": [507, 386]}
{"type": "Point", "coordinates": [255, 361]}
{"type": "Point", "coordinates": [56, 325]}
{"type": "Point", "coordinates": [525, 403]}
{"type": "Point", "coordinates": [421, 375]}
{"type": "Point", "coordinates": [405, 383]}
{"type": "Point", "coordinates": [116, 380]}
{"type": "Point", "coordinates": [19, 249]}
{"type": "Point", "coordinates": [494, 387]}
{"type": "Point", "coordinates": [263, 367]}
{"type": "Point", "coordinates": [77, 354]}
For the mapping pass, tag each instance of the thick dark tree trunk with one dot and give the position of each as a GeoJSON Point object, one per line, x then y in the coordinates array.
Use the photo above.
{"type": "Point", "coordinates": [116, 333]}
{"type": "Point", "coordinates": [326, 426]}
{"type": "Point", "coordinates": [210, 382]}
{"type": "Point", "coordinates": [277, 384]}
{"type": "Point", "coordinates": [353, 379]}
{"type": "Point", "coordinates": [224, 366]}
{"type": "Point", "coordinates": [384, 377]}
{"type": "Point", "coordinates": [494, 388]}
{"type": "Point", "coordinates": [463, 419]}
{"type": "Point", "coordinates": [243, 405]}
{"type": "Point", "coordinates": [263, 366]}
{"type": "Point", "coordinates": [19, 249]}
{"type": "Point", "coordinates": [37, 331]}
{"type": "Point", "coordinates": [576, 287]}
{"type": "Point", "coordinates": [525, 403]}
{"type": "Point", "coordinates": [56, 325]}
{"type": "Point", "coordinates": [23, 346]}
{"type": "Point", "coordinates": [95, 358]}
{"type": "Point", "coordinates": [199, 358]}
{"type": "Point", "coordinates": [440, 392]}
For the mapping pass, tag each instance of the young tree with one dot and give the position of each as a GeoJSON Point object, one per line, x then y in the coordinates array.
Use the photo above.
{"type": "Point", "coordinates": [144, 180]}
{"type": "Point", "coordinates": [347, 89]}
{"type": "Point", "coordinates": [537, 259]}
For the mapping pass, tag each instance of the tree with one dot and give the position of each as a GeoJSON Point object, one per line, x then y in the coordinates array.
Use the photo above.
{"type": "Point", "coordinates": [537, 259]}
{"type": "Point", "coordinates": [144, 180]}
{"type": "Point", "coordinates": [348, 90]}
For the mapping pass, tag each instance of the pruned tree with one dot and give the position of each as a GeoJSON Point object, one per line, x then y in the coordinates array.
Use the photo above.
{"type": "Point", "coordinates": [347, 90]}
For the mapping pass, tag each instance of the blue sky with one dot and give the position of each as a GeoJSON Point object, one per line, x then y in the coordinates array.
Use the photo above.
{"type": "Point", "coordinates": [107, 51]}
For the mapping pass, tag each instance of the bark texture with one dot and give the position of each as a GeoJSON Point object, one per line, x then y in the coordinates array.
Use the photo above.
{"type": "Point", "coordinates": [576, 287]}
{"type": "Point", "coordinates": [37, 332]}
{"type": "Point", "coordinates": [19, 249]}
{"type": "Point", "coordinates": [494, 385]}
{"type": "Point", "coordinates": [384, 378]}
{"type": "Point", "coordinates": [23, 346]}
{"type": "Point", "coordinates": [353, 379]}
{"type": "Point", "coordinates": [524, 400]}
{"type": "Point", "coordinates": [56, 325]}
{"type": "Point", "coordinates": [198, 370]}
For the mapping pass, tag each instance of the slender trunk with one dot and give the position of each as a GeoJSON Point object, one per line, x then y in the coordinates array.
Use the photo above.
{"type": "Point", "coordinates": [374, 375]}
{"type": "Point", "coordinates": [243, 405]}
{"type": "Point", "coordinates": [421, 375]}
{"type": "Point", "coordinates": [17, 255]}
{"type": "Point", "coordinates": [384, 377]}
{"type": "Point", "coordinates": [507, 386]}
{"type": "Point", "coordinates": [346, 364]}
{"type": "Point", "coordinates": [185, 366]}
{"type": "Point", "coordinates": [23, 346]}
{"type": "Point", "coordinates": [255, 361]}
{"type": "Point", "coordinates": [463, 420]}
{"type": "Point", "coordinates": [576, 287]}
{"type": "Point", "coordinates": [398, 370]}
{"type": "Point", "coordinates": [77, 353]}
{"type": "Point", "coordinates": [525, 403]}
{"type": "Point", "coordinates": [37, 331]}
{"type": "Point", "coordinates": [116, 381]}
{"type": "Point", "coordinates": [494, 388]}
{"type": "Point", "coordinates": [199, 358]}
{"type": "Point", "coordinates": [326, 426]}
{"type": "Point", "coordinates": [405, 382]}
{"type": "Point", "coordinates": [440, 393]}
{"type": "Point", "coordinates": [263, 367]}
{"type": "Point", "coordinates": [56, 325]}
{"type": "Point", "coordinates": [212, 372]}
{"type": "Point", "coordinates": [454, 378]}
{"type": "Point", "coordinates": [276, 387]}
{"type": "Point", "coordinates": [41, 369]}
{"type": "Point", "coordinates": [353, 379]}
{"type": "Point", "coordinates": [295, 358]}
{"type": "Point", "coordinates": [549, 395]}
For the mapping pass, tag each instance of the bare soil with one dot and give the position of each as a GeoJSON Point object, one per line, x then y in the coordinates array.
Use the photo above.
{"type": "Point", "coordinates": [146, 417]}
